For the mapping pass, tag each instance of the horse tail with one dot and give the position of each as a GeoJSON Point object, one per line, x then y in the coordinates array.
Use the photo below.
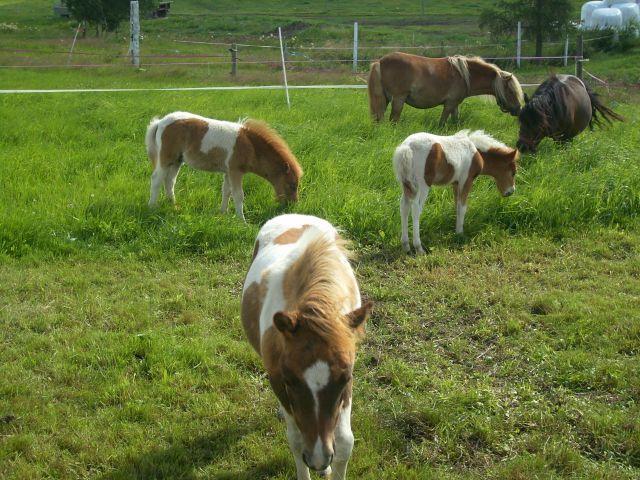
{"type": "Point", "coordinates": [377, 98]}
{"type": "Point", "coordinates": [151, 142]}
{"type": "Point", "coordinates": [404, 170]}
{"type": "Point", "coordinates": [597, 107]}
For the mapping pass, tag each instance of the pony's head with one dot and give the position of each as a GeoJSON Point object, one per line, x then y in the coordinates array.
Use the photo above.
{"type": "Point", "coordinates": [508, 92]}
{"type": "Point", "coordinates": [533, 125]}
{"type": "Point", "coordinates": [274, 160]}
{"type": "Point", "coordinates": [499, 161]}
{"type": "Point", "coordinates": [316, 368]}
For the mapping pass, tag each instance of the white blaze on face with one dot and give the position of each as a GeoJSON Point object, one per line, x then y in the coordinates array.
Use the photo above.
{"type": "Point", "coordinates": [317, 377]}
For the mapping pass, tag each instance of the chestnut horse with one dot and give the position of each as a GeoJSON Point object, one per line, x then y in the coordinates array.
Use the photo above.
{"type": "Point", "coordinates": [218, 146]}
{"type": "Point", "coordinates": [302, 313]}
{"type": "Point", "coordinates": [424, 82]}
{"type": "Point", "coordinates": [424, 160]}
{"type": "Point", "coordinates": [561, 108]}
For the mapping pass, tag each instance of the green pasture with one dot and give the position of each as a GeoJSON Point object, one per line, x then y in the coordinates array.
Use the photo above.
{"type": "Point", "coordinates": [510, 352]}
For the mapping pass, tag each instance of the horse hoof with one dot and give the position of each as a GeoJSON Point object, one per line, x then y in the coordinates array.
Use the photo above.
{"type": "Point", "coordinates": [419, 251]}
{"type": "Point", "coordinates": [326, 472]}
{"type": "Point", "coordinates": [405, 247]}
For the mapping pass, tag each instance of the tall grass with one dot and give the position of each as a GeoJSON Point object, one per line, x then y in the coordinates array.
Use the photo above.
{"type": "Point", "coordinates": [76, 175]}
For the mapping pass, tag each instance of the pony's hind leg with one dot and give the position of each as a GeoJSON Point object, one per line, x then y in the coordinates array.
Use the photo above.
{"type": "Point", "coordinates": [157, 178]}
{"type": "Point", "coordinates": [226, 193]}
{"type": "Point", "coordinates": [405, 204]}
{"type": "Point", "coordinates": [170, 181]}
{"type": "Point", "coordinates": [397, 102]}
{"type": "Point", "coordinates": [416, 210]}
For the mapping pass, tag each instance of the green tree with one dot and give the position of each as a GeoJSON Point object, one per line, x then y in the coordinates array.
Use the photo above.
{"type": "Point", "coordinates": [105, 14]}
{"type": "Point", "coordinates": [541, 19]}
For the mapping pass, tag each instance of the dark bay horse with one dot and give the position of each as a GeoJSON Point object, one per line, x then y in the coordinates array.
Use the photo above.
{"type": "Point", "coordinates": [561, 108]}
{"type": "Point", "coordinates": [424, 82]}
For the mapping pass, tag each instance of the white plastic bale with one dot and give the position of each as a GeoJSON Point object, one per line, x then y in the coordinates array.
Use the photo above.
{"type": "Point", "coordinates": [606, 18]}
{"type": "Point", "coordinates": [630, 12]}
{"type": "Point", "coordinates": [588, 9]}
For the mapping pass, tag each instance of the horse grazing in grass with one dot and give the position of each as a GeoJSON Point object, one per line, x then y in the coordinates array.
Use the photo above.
{"type": "Point", "coordinates": [561, 108]}
{"type": "Point", "coordinates": [424, 160]}
{"type": "Point", "coordinates": [218, 146]}
{"type": "Point", "coordinates": [424, 82]}
{"type": "Point", "coordinates": [302, 313]}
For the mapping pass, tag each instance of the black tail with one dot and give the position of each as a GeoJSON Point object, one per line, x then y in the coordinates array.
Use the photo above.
{"type": "Point", "coordinates": [600, 111]}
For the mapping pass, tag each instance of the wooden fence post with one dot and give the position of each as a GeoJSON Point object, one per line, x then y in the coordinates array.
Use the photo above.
{"type": "Point", "coordinates": [519, 45]}
{"type": "Point", "coordinates": [234, 59]}
{"type": "Point", "coordinates": [135, 34]}
{"type": "Point", "coordinates": [566, 51]}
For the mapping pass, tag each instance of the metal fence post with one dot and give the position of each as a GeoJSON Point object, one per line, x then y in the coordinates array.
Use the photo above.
{"type": "Point", "coordinates": [355, 47]}
{"type": "Point", "coordinates": [580, 56]}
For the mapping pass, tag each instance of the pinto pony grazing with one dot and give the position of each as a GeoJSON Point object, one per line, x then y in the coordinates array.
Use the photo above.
{"type": "Point", "coordinates": [424, 160]}
{"type": "Point", "coordinates": [561, 108]}
{"type": "Point", "coordinates": [302, 313]}
{"type": "Point", "coordinates": [218, 146]}
{"type": "Point", "coordinates": [424, 82]}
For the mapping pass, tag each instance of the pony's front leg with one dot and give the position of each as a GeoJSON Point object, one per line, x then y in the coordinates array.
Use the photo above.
{"type": "Point", "coordinates": [416, 210]}
{"type": "Point", "coordinates": [344, 445]}
{"type": "Point", "coordinates": [226, 193]}
{"type": "Point", "coordinates": [449, 108]}
{"type": "Point", "coordinates": [237, 193]}
{"type": "Point", "coordinates": [404, 219]}
{"type": "Point", "coordinates": [296, 444]}
{"type": "Point", "coordinates": [461, 207]}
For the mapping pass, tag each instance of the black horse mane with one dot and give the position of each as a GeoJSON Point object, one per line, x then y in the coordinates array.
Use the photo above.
{"type": "Point", "coordinates": [547, 107]}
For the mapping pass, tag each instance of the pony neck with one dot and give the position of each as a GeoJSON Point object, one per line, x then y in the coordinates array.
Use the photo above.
{"type": "Point", "coordinates": [493, 162]}
{"type": "Point", "coordinates": [482, 78]}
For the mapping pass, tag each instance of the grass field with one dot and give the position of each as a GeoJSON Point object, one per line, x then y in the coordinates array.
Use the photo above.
{"type": "Point", "coordinates": [509, 353]}
{"type": "Point", "coordinates": [512, 352]}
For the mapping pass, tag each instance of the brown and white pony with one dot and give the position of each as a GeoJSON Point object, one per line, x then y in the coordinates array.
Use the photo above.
{"type": "Point", "coordinates": [424, 160]}
{"type": "Point", "coordinates": [234, 149]}
{"type": "Point", "coordinates": [424, 82]}
{"type": "Point", "coordinates": [302, 313]}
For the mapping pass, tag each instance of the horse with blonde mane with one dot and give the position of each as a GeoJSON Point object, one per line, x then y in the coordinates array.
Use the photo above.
{"type": "Point", "coordinates": [302, 313]}
{"type": "Point", "coordinates": [422, 82]}
{"type": "Point", "coordinates": [424, 160]}
{"type": "Point", "coordinates": [212, 145]}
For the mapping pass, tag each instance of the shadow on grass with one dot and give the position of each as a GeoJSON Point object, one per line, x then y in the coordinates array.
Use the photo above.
{"type": "Point", "coordinates": [183, 459]}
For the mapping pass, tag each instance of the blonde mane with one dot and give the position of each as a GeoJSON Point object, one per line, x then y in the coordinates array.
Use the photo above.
{"type": "Point", "coordinates": [319, 288]}
{"type": "Point", "coordinates": [503, 81]}
{"type": "Point", "coordinates": [271, 138]}
{"type": "Point", "coordinates": [483, 141]}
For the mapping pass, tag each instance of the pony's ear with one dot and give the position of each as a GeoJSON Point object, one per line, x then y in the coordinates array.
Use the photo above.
{"type": "Point", "coordinates": [286, 322]}
{"type": "Point", "coordinates": [506, 76]}
{"type": "Point", "coordinates": [357, 318]}
{"type": "Point", "coordinates": [526, 98]}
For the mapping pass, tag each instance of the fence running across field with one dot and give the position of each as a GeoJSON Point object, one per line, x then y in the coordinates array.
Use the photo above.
{"type": "Point", "coordinates": [237, 54]}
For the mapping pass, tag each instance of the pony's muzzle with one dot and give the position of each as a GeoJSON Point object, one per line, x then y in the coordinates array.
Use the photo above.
{"type": "Point", "coordinates": [509, 191]}
{"type": "Point", "coordinates": [319, 463]}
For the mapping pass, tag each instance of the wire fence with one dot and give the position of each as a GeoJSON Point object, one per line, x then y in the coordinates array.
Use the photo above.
{"type": "Point", "coordinates": [325, 57]}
